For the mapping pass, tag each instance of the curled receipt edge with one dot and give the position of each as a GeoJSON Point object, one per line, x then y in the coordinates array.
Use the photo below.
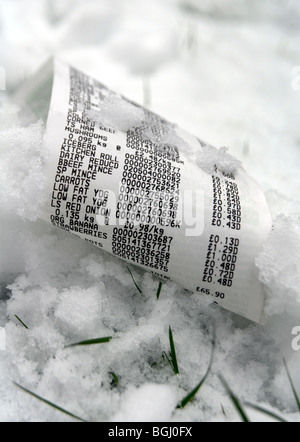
{"type": "Point", "coordinates": [135, 185]}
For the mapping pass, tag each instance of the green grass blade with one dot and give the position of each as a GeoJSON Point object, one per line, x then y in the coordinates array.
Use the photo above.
{"type": "Point", "coordinates": [164, 354]}
{"type": "Point", "coordinates": [134, 281]}
{"type": "Point", "coordinates": [24, 325]}
{"type": "Point", "coordinates": [159, 290]}
{"type": "Point", "coordinates": [115, 379]}
{"type": "Point", "coordinates": [213, 349]}
{"type": "Point", "coordinates": [235, 401]}
{"type": "Point", "coordinates": [193, 393]}
{"type": "Point", "coordinates": [292, 384]}
{"type": "Point", "coordinates": [173, 352]}
{"type": "Point", "coordinates": [265, 411]}
{"type": "Point", "coordinates": [91, 341]}
{"type": "Point", "coordinates": [51, 404]}
{"type": "Point", "coordinates": [223, 410]}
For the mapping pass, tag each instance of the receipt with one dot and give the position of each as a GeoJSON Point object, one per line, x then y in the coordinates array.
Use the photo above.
{"type": "Point", "coordinates": [135, 185]}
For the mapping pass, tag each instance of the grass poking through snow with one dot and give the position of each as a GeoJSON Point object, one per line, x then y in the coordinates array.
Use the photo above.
{"type": "Point", "coordinates": [21, 322]}
{"type": "Point", "coordinates": [51, 404]}
{"type": "Point", "coordinates": [265, 411]}
{"type": "Point", "coordinates": [192, 394]}
{"type": "Point", "coordinates": [173, 352]}
{"type": "Point", "coordinates": [292, 384]}
{"type": "Point", "coordinates": [159, 290]}
{"type": "Point", "coordinates": [172, 358]}
{"type": "Point", "coordinates": [91, 342]}
{"type": "Point", "coordinates": [195, 390]}
{"type": "Point", "coordinates": [138, 288]}
{"type": "Point", "coordinates": [235, 401]}
{"type": "Point", "coordinates": [115, 379]}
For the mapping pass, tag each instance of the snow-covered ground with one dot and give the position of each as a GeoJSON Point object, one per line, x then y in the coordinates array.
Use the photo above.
{"type": "Point", "coordinates": [227, 71]}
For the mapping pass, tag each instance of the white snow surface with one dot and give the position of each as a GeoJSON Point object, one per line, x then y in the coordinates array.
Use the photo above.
{"type": "Point", "coordinates": [226, 72]}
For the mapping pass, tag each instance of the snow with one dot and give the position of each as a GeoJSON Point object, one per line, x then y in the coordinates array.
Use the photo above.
{"type": "Point", "coordinates": [22, 146]}
{"type": "Point", "coordinates": [279, 266]}
{"type": "Point", "coordinates": [117, 114]}
{"type": "Point", "coordinates": [227, 72]}
{"type": "Point", "coordinates": [158, 402]}
{"type": "Point", "coordinates": [209, 157]}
